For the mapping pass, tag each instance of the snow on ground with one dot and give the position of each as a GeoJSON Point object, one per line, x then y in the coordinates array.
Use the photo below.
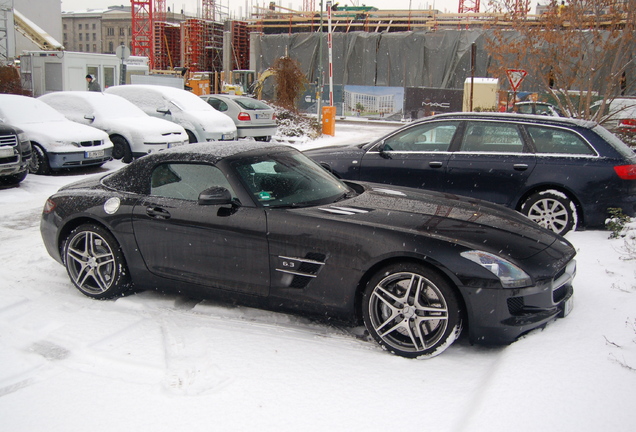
{"type": "Point", "coordinates": [152, 362]}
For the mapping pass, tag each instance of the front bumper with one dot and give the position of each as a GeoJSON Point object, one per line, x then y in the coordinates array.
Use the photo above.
{"type": "Point", "coordinates": [77, 159]}
{"type": "Point", "coordinates": [501, 316]}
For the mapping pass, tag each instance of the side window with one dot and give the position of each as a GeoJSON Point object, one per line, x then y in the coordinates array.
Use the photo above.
{"type": "Point", "coordinates": [217, 104]}
{"type": "Point", "coordinates": [492, 137]}
{"type": "Point", "coordinates": [429, 137]}
{"type": "Point", "coordinates": [185, 180]}
{"type": "Point", "coordinates": [558, 141]}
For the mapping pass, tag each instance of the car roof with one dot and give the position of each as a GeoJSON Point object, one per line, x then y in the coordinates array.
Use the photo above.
{"type": "Point", "coordinates": [530, 118]}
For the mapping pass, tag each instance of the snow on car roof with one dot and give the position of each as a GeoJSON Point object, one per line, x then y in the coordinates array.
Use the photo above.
{"type": "Point", "coordinates": [24, 110]}
{"type": "Point", "coordinates": [185, 99]}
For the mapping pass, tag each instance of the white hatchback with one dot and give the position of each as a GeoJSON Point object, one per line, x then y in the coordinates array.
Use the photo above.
{"type": "Point", "coordinates": [57, 142]}
{"type": "Point", "coordinates": [201, 121]}
{"type": "Point", "coordinates": [133, 132]}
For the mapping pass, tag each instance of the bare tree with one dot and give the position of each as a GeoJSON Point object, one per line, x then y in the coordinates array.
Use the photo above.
{"type": "Point", "coordinates": [290, 82]}
{"type": "Point", "coordinates": [577, 51]}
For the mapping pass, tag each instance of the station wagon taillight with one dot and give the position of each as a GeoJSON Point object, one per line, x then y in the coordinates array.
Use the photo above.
{"type": "Point", "coordinates": [629, 124]}
{"type": "Point", "coordinates": [243, 116]}
{"type": "Point", "coordinates": [626, 172]}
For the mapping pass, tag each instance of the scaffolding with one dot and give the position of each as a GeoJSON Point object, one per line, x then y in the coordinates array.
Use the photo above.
{"type": "Point", "coordinates": [7, 35]}
{"type": "Point", "coordinates": [193, 34]}
{"type": "Point", "coordinates": [240, 45]}
{"type": "Point", "coordinates": [143, 30]}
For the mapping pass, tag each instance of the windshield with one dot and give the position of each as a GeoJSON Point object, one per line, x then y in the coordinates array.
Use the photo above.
{"type": "Point", "coordinates": [287, 179]}
{"type": "Point", "coordinates": [118, 107]}
{"type": "Point", "coordinates": [29, 110]}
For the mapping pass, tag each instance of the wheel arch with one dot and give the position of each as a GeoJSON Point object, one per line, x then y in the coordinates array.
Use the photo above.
{"type": "Point", "coordinates": [436, 267]}
{"type": "Point", "coordinates": [559, 188]}
{"type": "Point", "coordinates": [70, 225]}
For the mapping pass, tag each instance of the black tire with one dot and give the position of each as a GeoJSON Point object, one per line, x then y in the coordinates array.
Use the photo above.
{"type": "Point", "coordinates": [263, 138]}
{"type": "Point", "coordinates": [13, 179]}
{"type": "Point", "coordinates": [411, 311]}
{"type": "Point", "coordinates": [191, 137]}
{"type": "Point", "coordinates": [121, 149]}
{"type": "Point", "coordinates": [95, 263]}
{"type": "Point", "coordinates": [552, 210]}
{"type": "Point", "coordinates": [39, 162]}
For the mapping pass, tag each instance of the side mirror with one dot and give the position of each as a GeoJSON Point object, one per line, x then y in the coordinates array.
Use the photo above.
{"type": "Point", "coordinates": [163, 111]}
{"type": "Point", "coordinates": [383, 148]}
{"type": "Point", "coordinates": [215, 196]}
{"type": "Point", "coordinates": [89, 117]}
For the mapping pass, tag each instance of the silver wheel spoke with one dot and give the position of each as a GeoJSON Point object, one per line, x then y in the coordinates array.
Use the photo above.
{"type": "Point", "coordinates": [91, 262]}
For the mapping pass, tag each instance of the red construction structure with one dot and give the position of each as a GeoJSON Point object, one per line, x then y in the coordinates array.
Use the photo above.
{"type": "Point", "coordinates": [193, 44]}
{"type": "Point", "coordinates": [466, 6]}
{"type": "Point", "coordinates": [143, 30]}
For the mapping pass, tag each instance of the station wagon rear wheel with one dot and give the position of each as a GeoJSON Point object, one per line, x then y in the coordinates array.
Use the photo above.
{"type": "Point", "coordinates": [95, 263]}
{"type": "Point", "coordinates": [411, 311]}
{"type": "Point", "coordinates": [552, 210]}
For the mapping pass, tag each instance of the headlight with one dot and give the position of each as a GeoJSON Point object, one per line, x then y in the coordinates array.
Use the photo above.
{"type": "Point", "coordinates": [22, 137]}
{"type": "Point", "coordinates": [509, 274]}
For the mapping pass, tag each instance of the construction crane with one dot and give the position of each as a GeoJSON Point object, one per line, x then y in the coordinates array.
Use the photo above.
{"type": "Point", "coordinates": [143, 30]}
{"type": "Point", "coordinates": [35, 33]}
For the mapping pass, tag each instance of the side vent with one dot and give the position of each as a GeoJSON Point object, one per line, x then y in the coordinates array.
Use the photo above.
{"type": "Point", "coordinates": [301, 270]}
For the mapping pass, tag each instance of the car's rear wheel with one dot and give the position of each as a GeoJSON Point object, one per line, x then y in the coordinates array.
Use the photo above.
{"type": "Point", "coordinates": [552, 210]}
{"type": "Point", "coordinates": [39, 162]}
{"type": "Point", "coordinates": [411, 311]}
{"type": "Point", "coordinates": [121, 149]}
{"type": "Point", "coordinates": [95, 263]}
{"type": "Point", "coordinates": [263, 138]}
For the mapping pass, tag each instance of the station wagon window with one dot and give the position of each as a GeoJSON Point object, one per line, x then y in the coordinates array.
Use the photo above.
{"type": "Point", "coordinates": [217, 104]}
{"type": "Point", "coordinates": [558, 141]}
{"type": "Point", "coordinates": [429, 137]}
{"type": "Point", "coordinates": [186, 180]}
{"type": "Point", "coordinates": [492, 137]}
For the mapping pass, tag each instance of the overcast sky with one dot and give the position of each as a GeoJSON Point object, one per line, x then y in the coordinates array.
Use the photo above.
{"type": "Point", "coordinates": [239, 6]}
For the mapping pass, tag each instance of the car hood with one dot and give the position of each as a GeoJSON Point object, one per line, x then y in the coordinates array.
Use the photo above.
{"type": "Point", "coordinates": [212, 121]}
{"type": "Point", "coordinates": [148, 127]}
{"type": "Point", "coordinates": [472, 223]}
{"type": "Point", "coordinates": [62, 131]}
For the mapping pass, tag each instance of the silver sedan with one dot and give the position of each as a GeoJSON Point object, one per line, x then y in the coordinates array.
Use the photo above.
{"type": "Point", "coordinates": [253, 118]}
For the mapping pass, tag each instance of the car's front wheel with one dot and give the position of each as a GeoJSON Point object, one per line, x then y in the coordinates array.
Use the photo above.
{"type": "Point", "coordinates": [39, 162]}
{"type": "Point", "coordinates": [121, 149]}
{"type": "Point", "coordinates": [411, 311]}
{"type": "Point", "coordinates": [95, 263]}
{"type": "Point", "coordinates": [552, 210]}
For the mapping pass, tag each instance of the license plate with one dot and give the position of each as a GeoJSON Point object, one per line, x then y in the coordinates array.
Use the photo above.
{"type": "Point", "coordinates": [567, 307]}
{"type": "Point", "coordinates": [176, 144]}
{"type": "Point", "coordinates": [227, 137]}
{"type": "Point", "coordinates": [262, 116]}
{"type": "Point", "coordinates": [6, 152]}
{"type": "Point", "coordinates": [94, 154]}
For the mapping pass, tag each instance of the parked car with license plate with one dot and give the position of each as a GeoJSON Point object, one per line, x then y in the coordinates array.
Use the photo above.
{"type": "Point", "coordinates": [561, 173]}
{"type": "Point", "coordinates": [620, 118]}
{"type": "Point", "coordinates": [253, 118]}
{"type": "Point", "coordinates": [538, 108]}
{"type": "Point", "coordinates": [201, 122]}
{"type": "Point", "coordinates": [132, 132]}
{"type": "Point", "coordinates": [265, 226]}
{"type": "Point", "coordinates": [56, 141]}
{"type": "Point", "coordinates": [15, 153]}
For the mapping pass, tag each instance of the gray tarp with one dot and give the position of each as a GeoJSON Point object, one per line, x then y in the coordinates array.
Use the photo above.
{"type": "Point", "coordinates": [439, 59]}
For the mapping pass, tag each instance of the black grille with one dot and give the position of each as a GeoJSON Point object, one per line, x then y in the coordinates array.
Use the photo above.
{"type": "Point", "coordinates": [559, 294]}
{"type": "Point", "coordinates": [90, 143]}
{"type": "Point", "coordinates": [515, 305]}
{"type": "Point", "coordinates": [8, 140]}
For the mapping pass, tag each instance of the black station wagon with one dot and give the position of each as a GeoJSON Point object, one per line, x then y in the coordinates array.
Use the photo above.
{"type": "Point", "coordinates": [561, 173]}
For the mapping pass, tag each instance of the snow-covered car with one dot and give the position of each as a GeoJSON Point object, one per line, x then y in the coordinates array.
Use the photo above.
{"type": "Point", "coordinates": [56, 141]}
{"type": "Point", "coordinates": [253, 118]}
{"type": "Point", "coordinates": [263, 225]}
{"type": "Point", "coordinates": [132, 132]}
{"type": "Point", "coordinates": [620, 118]}
{"type": "Point", "coordinates": [15, 152]}
{"type": "Point", "coordinates": [201, 122]}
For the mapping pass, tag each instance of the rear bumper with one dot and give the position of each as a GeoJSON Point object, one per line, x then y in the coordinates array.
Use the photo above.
{"type": "Point", "coordinates": [256, 131]}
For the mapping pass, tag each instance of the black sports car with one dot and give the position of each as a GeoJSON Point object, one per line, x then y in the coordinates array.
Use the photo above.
{"type": "Point", "coordinates": [266, 226]}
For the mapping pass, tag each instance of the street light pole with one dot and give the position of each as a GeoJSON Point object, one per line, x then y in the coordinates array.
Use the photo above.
{"type": "Point", "coordinates": [320, 78]}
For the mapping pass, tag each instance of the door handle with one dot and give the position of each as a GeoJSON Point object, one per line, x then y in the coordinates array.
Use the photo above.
{"type": "Point", "coordinates": [435, 164]}
{"type": "Point", "coordinates": [520, 167]}
{"type": "Point", "coordinates": [157, 213]}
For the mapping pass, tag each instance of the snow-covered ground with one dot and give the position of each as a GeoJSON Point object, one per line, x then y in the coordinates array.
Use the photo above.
{"type": "Point", "coordinates": [151, 362]}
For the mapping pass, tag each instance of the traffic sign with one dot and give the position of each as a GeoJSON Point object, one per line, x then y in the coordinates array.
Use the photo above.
{"type": "Point", "coordinates": [515, 76]}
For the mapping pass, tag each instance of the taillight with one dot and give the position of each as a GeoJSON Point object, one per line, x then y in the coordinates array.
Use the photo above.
{"type": "Point", "coordinates": [626, 172]}
{"type": "Point", "coordinates": [49, 206]}
{"type": "Point", "coordinates": [629, 124]}
{"type": "Point", "coordinates": [243, 116]}
{"type": "Point", "coordinates": [274, 116]}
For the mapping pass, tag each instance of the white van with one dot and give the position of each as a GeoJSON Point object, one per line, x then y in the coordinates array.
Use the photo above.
{"type": "Point", "coordinates": [201, 121]}
{"type": "Point", "coordinates": [133, 132]}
